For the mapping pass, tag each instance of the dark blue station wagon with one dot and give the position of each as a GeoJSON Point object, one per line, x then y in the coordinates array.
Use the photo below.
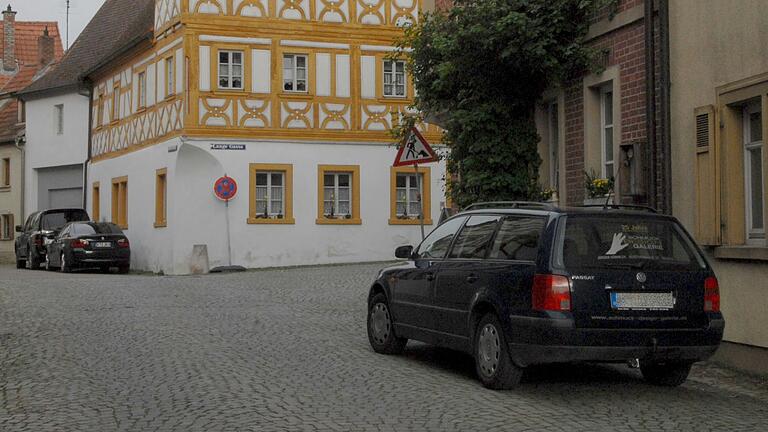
{"type": "Point", "coordinates": [519, 284]}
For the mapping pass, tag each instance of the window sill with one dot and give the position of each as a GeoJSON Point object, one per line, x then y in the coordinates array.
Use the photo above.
{"type": "Point", "coordinates": [265, 221]}
{"type": "Point", "coordinates": [6, 239]}
{"type": "Point", "coordinates": [161, 224]}
{"type": "Point", "coordinates": [396, 221]}
{"type": "Point", "coordinates": [5, 188]}
{"type": "Point", "coordinates": [295, 95]}
{"type": "Point", "coordinates": [744, 253]}
{"type": "Point", "coordinates": [122, 227]}
{"type": "Point", "coordinates": [351, 221]}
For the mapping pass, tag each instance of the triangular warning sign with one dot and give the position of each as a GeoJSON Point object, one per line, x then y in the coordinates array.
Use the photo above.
{"type": "Point", "coordinates": [415, 150]}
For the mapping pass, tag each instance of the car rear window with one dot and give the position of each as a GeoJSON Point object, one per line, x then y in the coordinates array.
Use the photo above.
{"type": "Point", "coordinates": [56, 220]}
{"type": "Point", "coordinates": [96, 228]}
{"type": "Point", "coordinates": [603, 242]}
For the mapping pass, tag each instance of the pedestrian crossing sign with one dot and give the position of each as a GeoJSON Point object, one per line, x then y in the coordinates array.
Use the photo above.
{"type": "Point", "coordinates": [415, 150]}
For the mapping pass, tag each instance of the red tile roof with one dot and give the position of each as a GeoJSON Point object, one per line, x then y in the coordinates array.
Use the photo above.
{"type": "Point", "coordinates": [9, 117]}
{"type": "Point", "coordinates": [28, 56]}
{"type": "Point", "coordinates": [27, 33]}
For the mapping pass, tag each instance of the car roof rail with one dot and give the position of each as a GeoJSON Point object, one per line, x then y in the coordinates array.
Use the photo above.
{"type": "Point", "coordinates": [621, 207]}
{"type": "Point", "coordinates": [529, 205]}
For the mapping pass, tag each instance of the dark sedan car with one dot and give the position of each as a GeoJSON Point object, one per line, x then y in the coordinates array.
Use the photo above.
{"type": "Point", "coordinates": [30, 243]}
{"type": "Point", "coordinates": [89, 245]}
{"type": "Point", "coordinates": [530, 284]}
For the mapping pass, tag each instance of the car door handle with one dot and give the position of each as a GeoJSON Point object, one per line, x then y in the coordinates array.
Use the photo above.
{"type": "Point", "coordinates": [430, 277]}
{"type": "Point", "coordinates": [472, 278]}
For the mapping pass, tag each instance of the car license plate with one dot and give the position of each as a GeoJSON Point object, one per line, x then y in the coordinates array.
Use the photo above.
{"type": "Point", "coordinates": [642, 301]}
{"type": "Point", "coordinates": [103, 244]}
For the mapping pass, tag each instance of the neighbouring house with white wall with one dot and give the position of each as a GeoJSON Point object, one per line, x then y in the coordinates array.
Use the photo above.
{"type": "Point", "coordinates": [294, 103]}
{"type": "Point", "coordinates": [58, 112]}
{"type": "Point", "coordinates": [28, 50]}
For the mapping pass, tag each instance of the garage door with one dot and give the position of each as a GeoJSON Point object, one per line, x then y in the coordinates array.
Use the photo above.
{"type": "Point", "coordinates": [65, 198]}
{"type": "Point", "coordinates": [60, 187]}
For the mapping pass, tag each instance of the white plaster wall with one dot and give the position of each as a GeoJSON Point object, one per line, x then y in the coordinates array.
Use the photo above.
{"type": "Point", "coordinates": [195, 216]}
{"type": "Point", "coordinates": [47, 149]}
{"type": "Point", "coordinates": [151, 248]}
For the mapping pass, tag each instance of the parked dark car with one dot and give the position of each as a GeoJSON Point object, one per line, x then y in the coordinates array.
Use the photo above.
{"type": "Point", "coordinates": [83, 245]}
{"type": "Point", "coordinates": [529, 284]}
{"type": "Point", "coordinates": [30, 243]}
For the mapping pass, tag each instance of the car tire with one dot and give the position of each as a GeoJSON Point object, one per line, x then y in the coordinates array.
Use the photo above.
{"type": "Point", "coordinates": [105, 269]}
{"type": "Point", "coordinates": [20, 263]}
{"type": "Point", "coordinates": [64, 266]}
{"type": "Point", "coordinates": [381, 328]}
{"type": "Point", "coordinates": [670, 374]}
{"type": "Point", "coordinates": [34, 261]}
{"type": "Point", "coordinates": [124, 269]}
{"type": "Point", "coordinates": [492, 362]}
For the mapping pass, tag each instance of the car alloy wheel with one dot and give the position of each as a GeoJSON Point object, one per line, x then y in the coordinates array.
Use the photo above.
{"type": "Point", "coordinates": [381, 323]}
{"type": "Point", "coordinates": [489, 350]}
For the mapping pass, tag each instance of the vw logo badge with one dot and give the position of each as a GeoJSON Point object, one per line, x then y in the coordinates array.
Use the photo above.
{"type": "Point", "coordinates": [641, 277]}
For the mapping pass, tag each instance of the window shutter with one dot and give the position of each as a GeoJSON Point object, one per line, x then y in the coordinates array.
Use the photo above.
{"type": "Point", "coordinates": [707, 175]}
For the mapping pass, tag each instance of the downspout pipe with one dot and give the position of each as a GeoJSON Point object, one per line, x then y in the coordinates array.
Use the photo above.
{"type": "Point", "coordinates": [89, 94]}
{"type": "Point", "coordinates": [650, 103]}
{"type": "Point", "coordinates": [666, 104]}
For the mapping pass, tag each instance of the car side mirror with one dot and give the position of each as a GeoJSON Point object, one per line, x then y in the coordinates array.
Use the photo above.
{"type": "Point", "coordinates": [404, 252]}
{"type": "Point", "coordinates": [19, 229]}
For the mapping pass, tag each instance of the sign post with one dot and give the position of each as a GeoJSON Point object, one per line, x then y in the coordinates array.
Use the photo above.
{"type": "Point", "coordinates": [415, 150]}
{"type": "Point", "coordinates": [225, 189]}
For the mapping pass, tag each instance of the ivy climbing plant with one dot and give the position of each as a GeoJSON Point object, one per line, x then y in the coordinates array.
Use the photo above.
{"type": "Point", "coordinates": [483, 65]}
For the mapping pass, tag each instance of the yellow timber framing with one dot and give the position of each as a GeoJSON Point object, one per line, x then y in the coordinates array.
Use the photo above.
{"type": "Point", "coordinates": [354, 171]}
{"type": "Point", "coordinates": [143, 54]}
{"type": "Point", "coordinates": [287, 169]}
{"type": "Point", "coordinates": [190, 26]}
{"type": "Point", "coordinates": [426, 196]}
{"type": "Point", "coordinates": [729, 148]}
{"type": "Point", "coordinates": [161, 198]}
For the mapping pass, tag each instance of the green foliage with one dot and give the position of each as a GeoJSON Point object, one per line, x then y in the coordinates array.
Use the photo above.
{"type": "Point", "coordinates": [483, 65]}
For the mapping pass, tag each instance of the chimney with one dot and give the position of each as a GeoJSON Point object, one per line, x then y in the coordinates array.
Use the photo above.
{"type": "Point", "coordinates": [45, 48]}
{"type": "Point", "coordinates": [9, 40]}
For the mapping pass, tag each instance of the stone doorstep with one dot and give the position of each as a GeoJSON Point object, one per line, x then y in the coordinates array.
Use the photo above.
{"type": "Point", "coordinates": [746, 358]}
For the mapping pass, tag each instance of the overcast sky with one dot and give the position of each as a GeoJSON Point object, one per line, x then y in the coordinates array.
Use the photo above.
{"type": "Point", "coordinates": [80, 12]}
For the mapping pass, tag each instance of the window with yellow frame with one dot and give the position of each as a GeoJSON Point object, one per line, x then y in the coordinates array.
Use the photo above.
{"type": "Point", "coordinates": [161, 198]}
{"type": "Point", "coordinates": [338, 195]}
{"type": "Point", "coordinates": [120, 202]}
{"type": "Point", "coordinates": [271, 194]}
{"type": "Point", "coordinates": [410, 195]}
{"type": "Point", "coordinates": [96, 202]}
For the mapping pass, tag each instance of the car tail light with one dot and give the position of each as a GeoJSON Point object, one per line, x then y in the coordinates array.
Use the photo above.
{"type": "Point", "coordinates": [78, 244]}
{"type": "Point", "coordinates": [123, 243]}
{"type": "Point", "coordinates": [551, 293]}
{"type": "Point", "coordinates": [711, 295]}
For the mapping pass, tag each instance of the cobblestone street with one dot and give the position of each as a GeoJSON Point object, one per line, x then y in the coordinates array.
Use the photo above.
{"type": "Point", "coordinates": [287, 350]}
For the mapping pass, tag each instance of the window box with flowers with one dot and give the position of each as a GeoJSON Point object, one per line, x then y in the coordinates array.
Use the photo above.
{"type": "Point", "coordinates": [597, 189]}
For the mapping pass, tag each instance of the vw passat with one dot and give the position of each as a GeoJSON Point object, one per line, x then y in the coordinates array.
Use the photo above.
{"type": "Point", "coordinates": [519, 284]}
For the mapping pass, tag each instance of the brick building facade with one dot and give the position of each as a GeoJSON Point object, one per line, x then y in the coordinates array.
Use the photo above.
{"type": "Point", "coordinates": [599, 122]}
